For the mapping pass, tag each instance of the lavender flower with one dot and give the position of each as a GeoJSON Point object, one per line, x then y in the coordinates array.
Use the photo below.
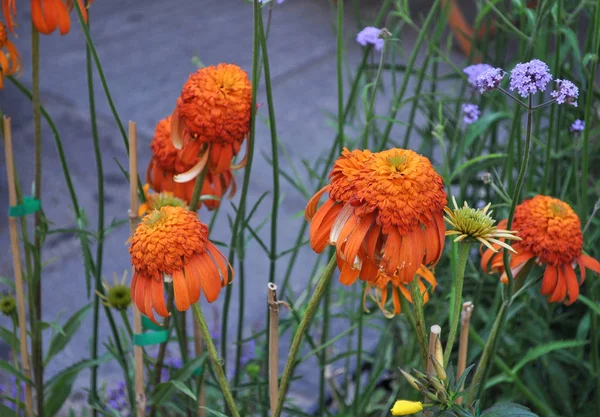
{"type": "Point", "coordinates": [489, 79]}
{"type": "Point", "coordinates": [117, 400]}
{"type": "Point", "coordinates": [474, 71]}
{"type": "Point", "coordinates": [471, 113]}
{"type": "Point", "coordinates": [530, 77]}
{"type": "Point", "coordinates": [370, 35]}
{"type": "Point", "coordinates": [566, 92]}
{"type": "Point", "coordinates": [577, 126]}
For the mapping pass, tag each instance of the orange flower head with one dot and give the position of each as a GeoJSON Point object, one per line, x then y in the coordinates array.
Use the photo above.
{"type": "Point", "coordinates": [156, 201]}
{"type": "Point", "coordinates": [171, 245]}
{"type": "Point", "coordinates": [168, 164]}
{"type": "Point", "coordinates": [378, 290]}
{"type": "Point", "coordinates": [49, 15]}
{"type": "Point", "coordinates": [214, 109]}
{"type": "Point", "coordinates": [10, 60]}
{"type": "Point", "coordinates": [384, 213]}
{"type": "Point", "coordinates": [551, 236]}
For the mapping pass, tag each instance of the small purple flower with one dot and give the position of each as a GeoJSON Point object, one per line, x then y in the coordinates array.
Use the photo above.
{"type": "Point", "coordinates": [370, 35]}
{"type": "Point", "coordinates": [471, 113]}
{"type": "Point", "coordinates": [577, 126]}
{"type": "Point", "coordinates": [530, 77]}
{"type": "Point", "coordinates": [566, 92]}
{"type": "Point", "coordinates": [489, 79]}
{"type": "Point", "coordinates": [474, 71]}
{"type": "Point", "coordinates": [117, 399]}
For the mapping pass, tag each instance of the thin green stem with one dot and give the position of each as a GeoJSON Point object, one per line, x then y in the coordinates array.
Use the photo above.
{"type": "Point", "coordinates": [589, 102]}
{"type": "Point", "coordinates": [339, 71]}
{"type": "Point", "coordinates": [162, 349]}
{"type": "Point", "coordinates": [36, 285]}
{"type": "Point", "coordinates": [323, 355]}
{"type": "Point", "coordinates": [241, 273]}
{"type": "Point", "coordinates": [100, 228]}
{"type": "Point", "coordinates": [359, 349]}
{"type": "Point", "coordinates": [374, 85]}
{"type": "Point", "coordinates": [417, 302]}
{"type": "Point", "coordinates": [126, 323]}
{"type": "Point", "coordinates": [214, 358]}
{"type": "Point", "coordinates": [197, 193]}
{"type": "Point", "coordinates": [463, 257]}
{"type": "Point", "coordinates": [239, 217]}
{"type": "Point", "coordinates": [304, 323]}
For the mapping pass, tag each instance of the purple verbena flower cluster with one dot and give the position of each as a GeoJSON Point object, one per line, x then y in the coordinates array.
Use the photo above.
{"type": "Point", "coordinates": [474, 71]}
{"type": "Point", "coordinates": [11, 395]}
{"type": "Point", "coordinates": [471, 113]}
{"type": "Point", "coordinates": [489, 79]}
{"type": "Point", "coordinates": [370, 36]}
{"type": "Point", "coordinates": [566, 92]}
{"type": "Point", "coordinates": [577, 126]}
{"type": "Point", "coordinates": [530, 77]}
{"type": "Point", "coordinates": [117, 399]}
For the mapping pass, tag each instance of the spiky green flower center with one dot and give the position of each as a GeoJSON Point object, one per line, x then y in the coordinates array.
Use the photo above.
{"type": "Point", "coordinates": [397, 162]}
{"type": "Point", "coordinates": [8, 305]}
{"type": "Point", "coordinates": [119, 297]}
{"type": "Point", "coordinates": [472, 222]}
{"type": "Point", "coordinates": [161, 200]}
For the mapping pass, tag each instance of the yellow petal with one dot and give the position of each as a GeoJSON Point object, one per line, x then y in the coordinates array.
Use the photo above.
{"type": "Point", "coordinates": [404, 408]}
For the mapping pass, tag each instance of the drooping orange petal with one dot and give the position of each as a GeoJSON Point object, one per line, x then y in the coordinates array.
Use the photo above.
{"type": "Point", "coordinates": [140, 293]}
{"type": "Point", "coordinates": [243, 162]}
{"type": "Point", "coordinates": [180, 289]}
{"type": "Point", "coordinates": [369, 270]}
{"type": "Point", "coordinates": [560, 292]}
{"type": "Point", "coordinates": [391, 259]}
{"type": "Point", "coordinates": [371, 240]}
{"type": "Point", "coordinates": [37, 17]}
{"type": "Point", "coordinates": [177, 127]}
{"type": "Point", "coordinates": [158, 298]}
{"type": "Point", "coordinates": [348, 228]}
{"type": "Point", "coordinates": [411, 254]}
{"type": "Point", "coordinates": [355, 240]}
{"type": "Point", "coordinates": [311, 206]}
{"type": "Point", "coordinates": [224, 267]}
{"type": "Point", "coordinates": [589, 263]}
{"type": "Point", "coordinates": [434, 248]}
{"type": "Point", "coordinates": [572, 284]}
{"type": "Point", "coordinates": [397, 304]}
{"type": "Point", "coordinates": [320, 226]}
{"type": "Point", "coordinates": [193, 275]}
{"type": "Point", "coordinates": [221, 156]}
{"type": "Point", "coordinates": [549, 280]}
{"type": "Point", "coordinates": [148, 302]}
{"type": "Point", "coordinates": [194, 171]}
{"type": "Point", "coordinates": [348, 275]}
{"type": "Point", "coordinates": [210, 282]}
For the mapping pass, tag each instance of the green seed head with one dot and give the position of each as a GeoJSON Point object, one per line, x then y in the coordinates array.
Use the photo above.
{"type": "Point", "coordinates": [8, 305]}
{"type": "Point", "coordinates": [118, 297]}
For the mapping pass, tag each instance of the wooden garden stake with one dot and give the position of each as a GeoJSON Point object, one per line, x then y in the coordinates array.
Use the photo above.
{"type": "Point", "coordinates": [434, 336]}
{"type": "Point", "coordinates": [198, 351]}
{"type": "Point", "coordinates": [14, 242]}
{"type": "Point", "coordinates": [140, 396]}
{"type": "Point", "coordinates": [273, 346]}
{"type": "Point", "coordinates": [463, 344]}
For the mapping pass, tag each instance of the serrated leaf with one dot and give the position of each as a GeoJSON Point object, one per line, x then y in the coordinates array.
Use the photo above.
{"type": "Point", "coordinates": [542, 350]}
{"type": "Point", "coordinates": [60, 341]}
{"type": "Point", "coordinates": [508, 409]}
{"type": "Point", "coordinates": [183, 388]}
{"type": "Point", "coordinates": [59, 393]}
{"type": "Point", "coordinates": [15, 372]}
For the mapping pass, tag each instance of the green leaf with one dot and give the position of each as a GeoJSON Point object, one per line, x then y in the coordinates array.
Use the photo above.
{"type": "Point", "coordinates": [10, 338]}
{"type": "Point", "coordinates": [14, 372]}
{"type": "Point", "coordinates": [46, 325]}
{"type": "Point", "coordinates": [213, 412]}
{"type": "Point", "coordinates": [481, 125]}
{"type": "Point", "coordinates": [477, 160]}
{"type": "Point", "coordinates": [542, 350]}
{"type": "Point", "coordinates": [163, 390]}
{"type": "Point", "coordinates": [8, 282]}
{"type": "Point", "coordinates": [508, 409]}
{"type": "Point", "coordinates": [59, 393]}
{"type": "Point", "coordinates": [60, 341]}
{"type": "Point", "coordinates": [595, 307]}
{"type": "Point", "coordinates": [78, 367]}
{"type": "Point", "coordinates": [183, 388]}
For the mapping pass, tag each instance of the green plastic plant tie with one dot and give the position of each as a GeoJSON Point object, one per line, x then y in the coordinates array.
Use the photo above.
{"type": "Point", "coordinates": [148, 325]}
{"type": "Point", "coordinates": [151, 338]}
{"type": "Point", "coordinates": [30, 205]}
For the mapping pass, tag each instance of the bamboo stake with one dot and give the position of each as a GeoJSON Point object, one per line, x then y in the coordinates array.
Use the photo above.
{"type": "Point", "coordinates": [198, 350]}
{"type": "Point", "coordinates": [140, 396]}
{"type": "Point", "coordinates": [434, 335]}
{"type": "Point", "coordinates": [463, 344]}
{"type": "Point", "coordinates": [273, 346]}
{"type": "Point", "coordinates": [14, 242]}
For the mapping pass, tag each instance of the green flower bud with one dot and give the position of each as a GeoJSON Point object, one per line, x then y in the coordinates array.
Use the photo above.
{"type": "Point", "coordinates": [8, 305]}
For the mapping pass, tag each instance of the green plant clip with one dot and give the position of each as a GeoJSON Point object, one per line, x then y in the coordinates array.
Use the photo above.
{"type": "Point", "coordinates": [30, 205]}
{"type": "Point", "coordinates": [155, 336]}
{"type": "Point", "coordinates": [147, 324]}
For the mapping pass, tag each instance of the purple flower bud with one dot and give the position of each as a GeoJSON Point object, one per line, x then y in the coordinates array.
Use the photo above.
{"type": "Point", "coordinates": [370, 36]}
{"type": "Point", "coordinates": [471, 113]}
{"type": "Point", "coordinates": [474, 71]}
{"type": "Point", "coordinates": [577, 126]}
{"type": "Point", "coordinates": [530, 77]}
{"type": "Point", "coordinates": [489, 79]}
{"type": "Point", "coordinates": [566, 92]}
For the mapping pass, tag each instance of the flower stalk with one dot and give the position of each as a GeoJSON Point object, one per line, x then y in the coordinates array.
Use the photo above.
{"type": "Point", "coordinates": [295, 346]}
{"type": "Point", "coordinates": [417, 302]}
{"type": "Point", "coordinates": [214, 358]}
{"type": "Point", "coordinates": [463, 257]}
{"type": "Point", "coordinates": [273, 345]}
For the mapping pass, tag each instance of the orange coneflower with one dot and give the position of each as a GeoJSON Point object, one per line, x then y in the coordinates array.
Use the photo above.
{"type": "Point", "coordinates": [171, 245]}
{"type": "Point", "coordinates": [384, 213]}
{"type": "Point", "coordinates": [168, 162]}
{"type": "Point", "coordinates": [551, 236]}
{"type": "Point", "coordinates": [214, 111]}
{"type": "Point", "coordinates": [379, 289]}
{"type": "Point", "coordinates": [10, 61]}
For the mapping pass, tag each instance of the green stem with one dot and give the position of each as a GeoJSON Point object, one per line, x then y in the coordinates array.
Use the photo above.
{"type": "Point", "coordinates": [323, 356]}
{"type": "Point", "coordinates": [239, 217]}
{"type": "Point", "coordinates": [214, 358]}
{"type": "Point", "coordinates": [162, 349]}
{"type": "Point", "coordinates": [241, 307]}
{"type": "Point", "coordinates": [588, 112]}
{"type": "Point", "coordinates": [463, 257]}
{"type": "Point", "coordinates": [36, 288]}
{"type": "Point", "coordinates": [100, 229]}
{"type": "Point", "coordinates": [359, 346]}
{"type": "Point", "coordinates": [126, 322]}
{"type": "Point", "coordinates": [304, 323]}
{"type": "Point", "coordinates": [198, 189]}
{"type": "Point", "coordinates": [417, 302]}
{"type": "Point", "coordinates": [339, 71]}
{"type": "Point", "coordinates": [374, 86]}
